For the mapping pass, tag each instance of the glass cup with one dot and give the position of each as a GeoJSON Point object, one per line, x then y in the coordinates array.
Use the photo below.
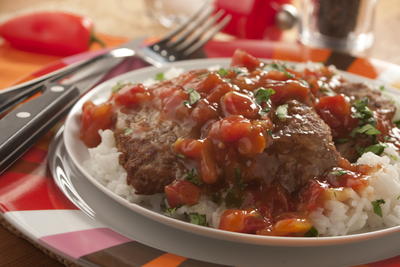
{"type": "Point", "coordinates": [344, 25]}
{"type": "Point", "coordinates": [172, 12]}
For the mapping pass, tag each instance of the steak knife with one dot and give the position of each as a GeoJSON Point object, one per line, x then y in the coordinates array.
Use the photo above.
{"type": "Point", "coordinates": [20, 128]}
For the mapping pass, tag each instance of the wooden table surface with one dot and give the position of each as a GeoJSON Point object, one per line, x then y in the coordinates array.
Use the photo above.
{"type": "Point", "coordinates": [128, 18]}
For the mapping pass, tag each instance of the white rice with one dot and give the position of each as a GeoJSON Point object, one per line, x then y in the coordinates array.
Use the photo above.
{"type": "Point", "coordinates": [346, 212]}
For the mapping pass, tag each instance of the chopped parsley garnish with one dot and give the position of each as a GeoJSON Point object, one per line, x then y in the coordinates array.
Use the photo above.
{"type": "Point", "coordinates": [181, 156]}
{"type": "Point", "coordinates": [282, 112]}
{"type": "Point", "coordinates": [362, 111]}
{"type": "Point", "coordinates": [262, 96]}
{"type": "Point", "coordinates": [118, 86]}
{"type": "Point", "coordinates": [376, 149]}
{"type": "Point", "coordinates": [222, 72]}
{"type": "Point", "coordinates": [367, 129]}
{"type": "Point", "coordinates": [128, 131]}
{"type": "Point", "coordinates": [339, 172]}
{"type": "Point", "coordinates": [382, 88]}
{"type": "Point", "coordinates": [313, 232]}
{"type": "Point", "coordinates": [281, 68]}
{"type": "Point", "coordinates": [194, 96]}
{"type": "Point", "coordinates": [160, 76]}
{"type": "Point", "coordinates": [397, 123]}
{"type": "Point", "coordinates": [193, 177]}
{"type": "Point", "coordinates": [376, 204]}
{"type": "Point", "coordinates": [196, 218]}
{"type": "Point", "coordinates": [170, 211]}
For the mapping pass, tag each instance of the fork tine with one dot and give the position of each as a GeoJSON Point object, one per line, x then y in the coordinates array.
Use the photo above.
{"type": "Point", "coordinates": [183, 26]}
{"type": "Point", "coordinates": [207, 36]}
{"type": "Point", "coordinates": [196, 36]}
{"type": "Point", "coordinates": [207, 28]}
{"type": "Point", "coordinates": [194, 25]}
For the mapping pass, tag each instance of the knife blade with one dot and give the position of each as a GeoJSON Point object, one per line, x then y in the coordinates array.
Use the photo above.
{"type": "Point", "coordinates": [24, 125]}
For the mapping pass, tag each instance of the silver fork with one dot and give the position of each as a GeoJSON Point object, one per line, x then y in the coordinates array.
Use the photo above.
{"type": "Point", "coordinates": [187, 39]}
{"type": "Point", "coordinates": [182, 43]}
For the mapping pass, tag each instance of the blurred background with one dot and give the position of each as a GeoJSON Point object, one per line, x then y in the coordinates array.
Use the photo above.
{"type": "Point", "coordinates": [130, 18]}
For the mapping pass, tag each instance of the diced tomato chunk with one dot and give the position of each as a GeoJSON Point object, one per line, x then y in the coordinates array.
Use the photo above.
{"type": "Point", "coordinates": [336, 112]}
{"type": "Point", "coordinates": [310, 196]}
{"type": "Point", "coordinates": [243, 59]}
{"type": "Point", "coordinates": [231, 128]}
{"type": "Point", "coordinates": [182, 192]}
{"type": "Point", "coordinates": [208, 167]}
{"type": "Point", "coordinates": [188, 147]}
{"type": "Point", "coordinates": [235, 103]}
{"type": "Point", "coordinates": [93, 119]}
{"type": "Point", "coordinates": [132, 95]}
{"type": "Point", "coordinates": [242, 221]}
{"type": "Point", "coordinates": [252, 144]}
{"type": "Point", "coordinates": [203, 112]}
{"type": "Point", "coordinates": [290, 89]}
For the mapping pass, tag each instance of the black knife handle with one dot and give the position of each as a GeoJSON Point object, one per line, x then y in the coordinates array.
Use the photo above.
{"type": "Point", "coordinates": [23, 126]}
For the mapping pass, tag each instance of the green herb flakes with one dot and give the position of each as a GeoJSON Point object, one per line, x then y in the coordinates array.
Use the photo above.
{"type": "Point", "coordinates": [196, 218]}
{"type": "Point", "coordinates": [376, 204]}
{"type": "Point", "coordinates": [128, 131]}
{"type": "Point", "coordinates": [282, 112]}
{"type": "Point", "coordinates": [367, 129]}
{"type": "Point", "coordinates": [193, 177]}
{"type": "Point", "coordinates": [160, 77]}
{"type": "Point", "coordinates": [397, 123]}
{"type": "Point", "coordinates": [222, 72]}
{"type": "Point", "coordinates": [376, 149]}
{"type": "Point", "coordinates": [382, 88]}
{"type": "Point", "coordinates": [262, 95]}
{"type": "Point", "coordinates": [362, 111]}
{"type": "Point", "coordinates": [281, 68]}
{"type": "Point", "coordinates": [313, 232]}
{"type": "Point", "coordinates": [170, 211]}
{"type": "Point", "coordinates": [339, 172]}
{"type": "Point", "coordinates": [194, 96]}
{"type": "Point", "coordinates": [181, 156]}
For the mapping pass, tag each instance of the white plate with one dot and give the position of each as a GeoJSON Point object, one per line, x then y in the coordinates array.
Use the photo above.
{"type": "Point", "coordinates": [78, 153]}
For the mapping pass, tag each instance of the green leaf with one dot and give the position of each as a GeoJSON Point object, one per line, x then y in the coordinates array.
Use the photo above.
{"type": "Point", "coordinates": [282, 112]}
{"type": "Point", "coordinates": [382, 88]}
{"type": "Point", "coordinates": [160, 76]}
{"type": "Point", "coordinates": [367, 129]}
{"type": "Point", "coordinates": [262, 95]}
{"type": "Point", "coordinates": [199, 219]}
{"type": "Point", "coordinates": [362, 111]}
{"type": "Point", "coordinates": [313, 232]}
{"type": "Point", "coordinates": [376, 149]}
{"type": "Point", "coordinates": [280, 67]}
{"type": "Point", "coordinates": [376, 204]}
{"type": "Point", "coordinates": [339, 172]}
{"type": "Point", "coordinates": [194, 96]}
{"type": "Point", "coordinates": [397, 123]}
{"type": "Point", "coordinates": [222, 72]}
{"type": "Point", "coordinates": [170, 211]}
{"type": "Point", "coordinates": [128, 131]}
{"type": "Point", "coordinates": [193, 177]}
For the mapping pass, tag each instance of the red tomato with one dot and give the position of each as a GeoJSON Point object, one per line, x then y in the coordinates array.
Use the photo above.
{"type": "Point", "coordinates": [242, 221]}
{"type": "Point", "coordinates": [243, 59]}
{"type": "Point", "coordinates": [131, 95]}
{"type": "Point", "coordinates": [336, 112]}
{"type": "Point", "coordinates": [290, 89]}
{"type": "Point", "coordinates": [189, 147]}
{"type": "Point", "coordinates": [231, 128]}
{"type": "Point", "coordinates": [55, 33]}
{"type": "Point", "coordinates": [310, 195]}
{"type": "Point", "coordinates": [208, 167]}
{"type": "Point", "coordinates": [235, 103]}
{"type": "Point", "coordinates": [182, 192]}
{"type": "Point", "coordinates": [253, 144]}
{"type": "Point", "coordinates": [93, 119]}
{"type": "Point", "coordinates": [292, 226]}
